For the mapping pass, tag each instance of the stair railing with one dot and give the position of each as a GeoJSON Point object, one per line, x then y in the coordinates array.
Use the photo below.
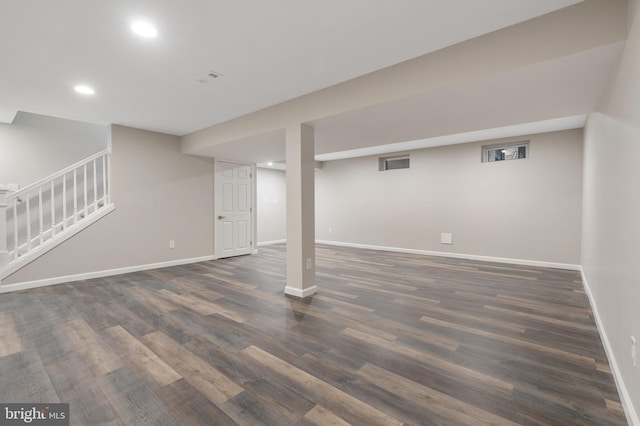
{"type": "Point", "coordinates": [33, 216]}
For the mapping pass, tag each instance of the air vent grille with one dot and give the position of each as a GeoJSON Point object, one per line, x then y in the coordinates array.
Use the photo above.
{"type": "Point", "coordinates": [209, 76]}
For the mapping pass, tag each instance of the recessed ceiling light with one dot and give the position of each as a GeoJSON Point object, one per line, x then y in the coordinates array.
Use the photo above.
{"type": "Point", "coordinates": [85, 90]}
{"type": "Point", "coordinates": [270, 163]}
{"type": "Point", "coordinates": [144, 29]}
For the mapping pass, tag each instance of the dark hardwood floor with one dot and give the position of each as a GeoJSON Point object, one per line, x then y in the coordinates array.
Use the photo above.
{"type": "Point", "coordinates": [389, 339]}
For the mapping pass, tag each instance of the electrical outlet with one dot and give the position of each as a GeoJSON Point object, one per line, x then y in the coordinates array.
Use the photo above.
{"type": "Point", "coordinates": [446, 238]}
{"type": "Point", "coordinates": [172, 244]}
{"type": "Point", "coordinates": [308, 263]}
{"type": "Point", "coordinates": [634, 351]}
{"type": "Point", "coordinates": [331, 230]}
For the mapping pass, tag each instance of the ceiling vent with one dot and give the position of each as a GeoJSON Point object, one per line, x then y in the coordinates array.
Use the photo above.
{"type": "Point", "coordinates": [209, 76]}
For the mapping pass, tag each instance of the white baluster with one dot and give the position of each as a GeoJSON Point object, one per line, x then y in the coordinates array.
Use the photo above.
{"type": "Point", "coordinates": [4, 253]}
{"type": "Point", "coordinates": [41, 215]}
{"type": "Point", "coordinates": [86, 211]}
{"type": "Point", "coordinates": [64, 202]}
{"type": "Point", "coordinates": [75, 196]}
{"type": "Point", "coordinates": [95, 186]}
{"type": "Point", "coordinates": [104, 180]}
{"type": "Point", "coordinates": [108, 178]}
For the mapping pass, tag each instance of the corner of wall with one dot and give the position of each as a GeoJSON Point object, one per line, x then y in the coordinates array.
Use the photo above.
{"type": "Point", "coordinates": [625, 397]}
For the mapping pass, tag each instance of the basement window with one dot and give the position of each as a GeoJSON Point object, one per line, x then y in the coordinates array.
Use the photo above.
{"type": "Point", "coordinates": [512, 151]}
{"type": "Point", "coordinates": [393, 163]}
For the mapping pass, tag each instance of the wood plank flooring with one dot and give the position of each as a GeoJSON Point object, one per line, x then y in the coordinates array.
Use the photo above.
{"type": "Point", "coordinates": [389, 339]}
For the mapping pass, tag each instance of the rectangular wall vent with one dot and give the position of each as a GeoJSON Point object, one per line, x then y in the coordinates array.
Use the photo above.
{"type": "Point", "coordinates": [209, 76]}
{"type": "Point", "coordinates": [393, 163]}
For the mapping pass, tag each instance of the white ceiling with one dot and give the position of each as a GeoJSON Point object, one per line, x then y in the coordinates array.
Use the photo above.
{"type": "Point", "coordinates": [267, 51]}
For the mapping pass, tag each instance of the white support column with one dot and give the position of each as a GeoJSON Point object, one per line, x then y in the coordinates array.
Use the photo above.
{"type": "Point", "coordinates": [4, 253]}
{"type": "Point", "coordinates": [301, 249]}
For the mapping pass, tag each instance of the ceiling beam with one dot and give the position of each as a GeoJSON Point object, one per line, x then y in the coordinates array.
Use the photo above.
{"type": "Point", "coordinates": [581, 27]}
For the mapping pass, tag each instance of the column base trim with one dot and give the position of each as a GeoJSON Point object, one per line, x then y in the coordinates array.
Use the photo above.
{"type": "Point", "coordinates": [301, 293]}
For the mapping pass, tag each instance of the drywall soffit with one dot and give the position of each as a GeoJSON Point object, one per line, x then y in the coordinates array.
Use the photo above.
{"type": "Point", "coordinates": [553, 125]}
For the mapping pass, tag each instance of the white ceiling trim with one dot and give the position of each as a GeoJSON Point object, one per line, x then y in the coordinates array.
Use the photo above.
{"type": "Point", "coordinates": [532, 128]}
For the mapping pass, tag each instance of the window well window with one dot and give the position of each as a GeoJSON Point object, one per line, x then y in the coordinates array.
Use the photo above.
{"type": "Point", "coordinates": [513, 151]}
{"type": "Point", "coordinates": [393, 163]}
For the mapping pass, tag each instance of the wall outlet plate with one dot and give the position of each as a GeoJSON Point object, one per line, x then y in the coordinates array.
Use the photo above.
{"type": "Point", "coordinates": [446, 238]}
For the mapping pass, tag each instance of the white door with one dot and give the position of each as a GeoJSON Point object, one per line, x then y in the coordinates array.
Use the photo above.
{"type": "Point", "coordinates": [233, 209]}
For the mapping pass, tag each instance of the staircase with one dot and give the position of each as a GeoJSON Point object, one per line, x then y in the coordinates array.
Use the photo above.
{"type": "Point", "coordinates": [39, 217]}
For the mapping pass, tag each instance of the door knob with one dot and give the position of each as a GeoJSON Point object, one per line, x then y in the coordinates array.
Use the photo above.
{"type": "Point", "coordinates": [221, 217]}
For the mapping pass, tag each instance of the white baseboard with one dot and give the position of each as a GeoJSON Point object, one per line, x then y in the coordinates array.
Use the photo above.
{"type": "Point", "coordinates": [301, 293]}
{"type": "Point", "coordinates": [269, 243]}
{"type": "Point", "coordinates": [512, 261]}
{"type": "Point", "coordinates": [627, 404]}
{"type": "Point", "coordinates": [100, 274]}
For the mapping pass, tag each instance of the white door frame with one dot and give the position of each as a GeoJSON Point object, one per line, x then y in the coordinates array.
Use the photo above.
{"type": "Point", "coordinates": [253, 199]}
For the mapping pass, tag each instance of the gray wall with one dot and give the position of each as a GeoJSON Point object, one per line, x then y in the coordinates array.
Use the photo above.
{"type": "Point", "coordinates": [611, 212]}
{"type": "Point", "coordinates": [159, 194]}
{"type": "Point", "coordinates": [35, 146]}
{"type": "Point", "coordinates": [524, 209]}
{"type": "Point", "coordinates": [272, 205]}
